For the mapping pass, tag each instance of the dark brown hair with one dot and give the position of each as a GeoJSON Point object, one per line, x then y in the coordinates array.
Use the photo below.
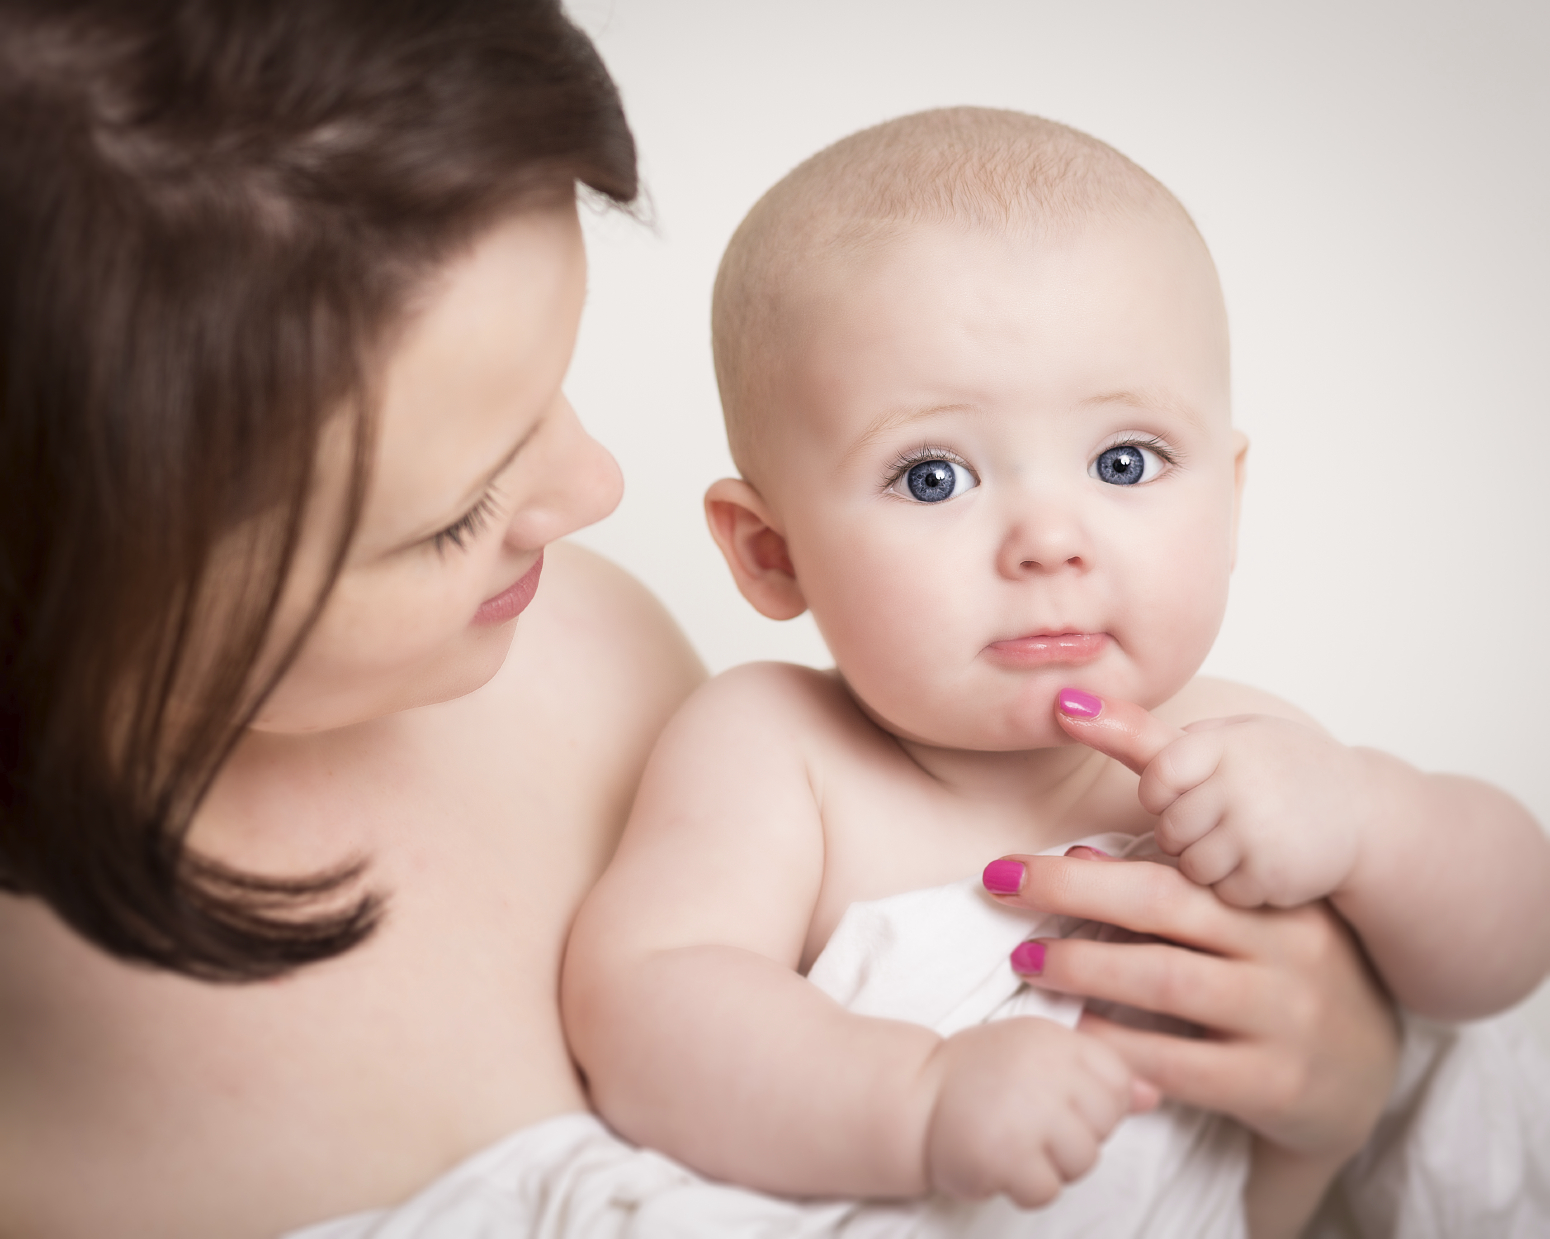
{"type": "Point", "coordinates": [211, 213]}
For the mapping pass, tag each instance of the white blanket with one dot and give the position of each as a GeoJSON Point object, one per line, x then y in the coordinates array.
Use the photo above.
{"type": "Point", "coordinates": [1464, 1152]}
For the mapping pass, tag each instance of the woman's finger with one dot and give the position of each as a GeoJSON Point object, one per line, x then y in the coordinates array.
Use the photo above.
{"type": "Point", "coordinates": [1144, 897]}
{"type": "Point", "coordinates": [1221, 994]}
{"type": "Point", "coordinates": [1214, 1075]}
{"type": "Point", "coordinates": [1120, 729]}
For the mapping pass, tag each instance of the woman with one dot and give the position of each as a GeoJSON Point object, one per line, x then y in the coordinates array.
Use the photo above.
{"type": "Point", "coordinates": [296, 808]}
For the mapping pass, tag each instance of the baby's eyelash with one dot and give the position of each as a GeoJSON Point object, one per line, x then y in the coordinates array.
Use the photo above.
{"type": "Point", "coordinates": [470, 526]}
{"type": "Point", "coordinates": [1151, 443]}
{"type": "Point", "coordinates": [905, 461]}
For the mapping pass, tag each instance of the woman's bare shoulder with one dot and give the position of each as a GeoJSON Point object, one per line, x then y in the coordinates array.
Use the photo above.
{"type": "Point", "coordinates": [597, 667]}
{"type": "Point", "coordinates": [594, 628]}
{"type": "Point", "coordinates": [1208, 697]}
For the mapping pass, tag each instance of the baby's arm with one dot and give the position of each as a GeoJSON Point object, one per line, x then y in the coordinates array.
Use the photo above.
{"type": "Point", "coordinates": [1445, 879]}
{"type": "Point", "coordinates": [698, 1037]}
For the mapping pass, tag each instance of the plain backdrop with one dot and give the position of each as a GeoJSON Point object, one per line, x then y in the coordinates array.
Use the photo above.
{"type": "Point", "coordinates": [1373, 178]}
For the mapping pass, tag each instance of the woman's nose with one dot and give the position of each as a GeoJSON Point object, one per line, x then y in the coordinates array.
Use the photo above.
{"type": "Point", "coordinates": [1045, 535]}
{"type": "Point", "coordinates": [580, 484]}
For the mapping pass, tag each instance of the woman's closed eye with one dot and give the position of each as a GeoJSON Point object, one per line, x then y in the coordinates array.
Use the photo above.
{"type": "Point", "coordinates": [932, 477]}
{"type": "Point", "coordinates": [1129, 464]}
{"type": "Point", "coordinates": [469, 526]}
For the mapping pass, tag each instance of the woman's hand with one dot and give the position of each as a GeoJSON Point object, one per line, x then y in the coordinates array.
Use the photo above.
{"type": "Point", "coordinates": [1301, 1043]}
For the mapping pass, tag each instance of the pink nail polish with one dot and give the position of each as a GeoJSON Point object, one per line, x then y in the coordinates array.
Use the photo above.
{"type": "Point", "coordinates": [1003, 877]}
{"type": "Point", "coordinates": [1028, 958]}
{"type": "Point", "coordinates": [1074, 703]}
{"type": "Point", "coordinates": [1082, 852]}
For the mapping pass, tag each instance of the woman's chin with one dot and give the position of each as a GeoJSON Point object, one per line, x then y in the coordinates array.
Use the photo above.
{"type": "Point", "coordinates": [298, 708]}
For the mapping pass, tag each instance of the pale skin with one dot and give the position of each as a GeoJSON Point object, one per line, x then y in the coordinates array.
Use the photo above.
{"type": "Point", "coordinates": [1273, 811]}
{"type": "Point", "coordinates": [483, 769]}
{"type": "Point", "coordinates": [780, 796]}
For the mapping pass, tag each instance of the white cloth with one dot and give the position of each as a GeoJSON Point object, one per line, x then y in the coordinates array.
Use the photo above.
{"type": "Point", "coordinates": [1463, 1148]}
{"type": "Point", "coordinates": [1463, 1153]}
{"type": "Point", "coordinates": [941, 957]}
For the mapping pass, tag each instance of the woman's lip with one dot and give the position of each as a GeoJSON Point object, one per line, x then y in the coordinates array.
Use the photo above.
{"type": "Point", "coordinates": [1047, 649]}
{"type": "Point", "coordinates": [513, 600]}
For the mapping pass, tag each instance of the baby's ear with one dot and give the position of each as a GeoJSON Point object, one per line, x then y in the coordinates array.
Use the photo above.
{"type": "Point", "coordinates": [755, 550]}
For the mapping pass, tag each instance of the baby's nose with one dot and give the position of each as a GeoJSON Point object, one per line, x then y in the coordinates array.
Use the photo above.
{"type": "Point", "coordinates": [1043, 537]}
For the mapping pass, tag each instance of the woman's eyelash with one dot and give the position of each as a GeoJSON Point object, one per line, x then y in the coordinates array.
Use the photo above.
{"type": "Point", "coordinates": [470, 526]}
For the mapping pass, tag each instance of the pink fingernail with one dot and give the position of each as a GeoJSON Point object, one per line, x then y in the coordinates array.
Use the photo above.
{"type": "Point", "coordinates": [1003, 877]}
{"type": "Point", "coordinates": [1028, 958]}
{"type": "Point", "coordinates": [1082, 852]}
{"type": "Point", "coordinates": [1074, 703]}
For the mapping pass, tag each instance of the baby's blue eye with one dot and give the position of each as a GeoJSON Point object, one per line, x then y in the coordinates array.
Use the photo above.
{"type": "Point", "coordinates": [1126, 465]}
{"type": "Point", "coordinates": [932, 481]}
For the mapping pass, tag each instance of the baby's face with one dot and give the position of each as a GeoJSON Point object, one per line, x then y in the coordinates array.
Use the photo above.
{"type": "Point", "coordinates": [1004, 467]}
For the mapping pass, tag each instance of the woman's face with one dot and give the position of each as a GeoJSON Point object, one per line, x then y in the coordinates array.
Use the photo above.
{"type": "Point", "coordinates": [480, 462]}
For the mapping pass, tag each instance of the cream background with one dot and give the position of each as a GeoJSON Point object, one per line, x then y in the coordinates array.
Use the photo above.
{"type": "Point", "coordinates": [1373, 178]}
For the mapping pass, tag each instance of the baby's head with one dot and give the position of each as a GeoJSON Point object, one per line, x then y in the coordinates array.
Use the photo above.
{"type": "Point", "coordinates": [974, 368]}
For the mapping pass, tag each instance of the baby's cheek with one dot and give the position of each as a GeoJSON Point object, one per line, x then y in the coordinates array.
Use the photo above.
{"type": "Point", "coordinates": [1171, 623]}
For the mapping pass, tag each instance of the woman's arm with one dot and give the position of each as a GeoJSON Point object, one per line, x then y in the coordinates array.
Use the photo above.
{"type": "Point", "coordinates": [1302, 1044]}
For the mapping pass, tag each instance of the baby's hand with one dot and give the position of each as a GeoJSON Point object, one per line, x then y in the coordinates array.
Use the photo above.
{"type": "Point", "coordinates": [1263, 809]}
{"type": "Point", "coordinates": [1021, 1108]}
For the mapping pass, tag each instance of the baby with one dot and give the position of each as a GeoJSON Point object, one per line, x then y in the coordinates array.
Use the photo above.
{"type": "Point", "coordinates": [974, 368]}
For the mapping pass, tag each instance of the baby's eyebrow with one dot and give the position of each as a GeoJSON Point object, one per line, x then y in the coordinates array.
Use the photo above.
{"type": "Point", "coordinates": [891, 419]}
{"type": "Point", "coordinates": [1150, 398]}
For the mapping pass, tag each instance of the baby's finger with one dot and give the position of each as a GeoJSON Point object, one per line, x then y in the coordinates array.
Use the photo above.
{"type": "Point", "coordinates": [1212, 859]}
{"type": "Point", "coordinates": [1180, 767]}
{"type": "Point", "coordinates": [1072, 1147]}
{"type": "Point", "coordinates": [1121, 729]}
{"type": "Point", "coordinates": [1144, 1096]}
{"type": "Point", "coordinates": [1189, 819]}
{"type": "Point", "coordinates": [1241, 887]}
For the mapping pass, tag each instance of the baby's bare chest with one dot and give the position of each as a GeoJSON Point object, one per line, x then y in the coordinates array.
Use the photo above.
{"type": "Point", "coordinates": [889, 827]}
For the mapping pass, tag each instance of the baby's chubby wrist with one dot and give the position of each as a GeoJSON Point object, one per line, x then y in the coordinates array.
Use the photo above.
{"type": "Point", "coordinates": [1388, 802]}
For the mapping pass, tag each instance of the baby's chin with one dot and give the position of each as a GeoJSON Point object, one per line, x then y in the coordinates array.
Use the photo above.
{"type": "Point", "coordinates": [1007, 722]}
{"type": "Point", "coordinates": [1018, 729]}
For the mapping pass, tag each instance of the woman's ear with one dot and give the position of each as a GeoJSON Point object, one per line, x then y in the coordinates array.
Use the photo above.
{"type": "Point", "coordinates": [1240, 466]}
{"type": "Point", "coordinates": [754, 549]}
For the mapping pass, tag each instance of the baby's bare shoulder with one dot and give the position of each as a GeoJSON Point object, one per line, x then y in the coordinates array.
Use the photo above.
{"type": "Point", "coordinates": [1207, 697]}
{"type": "Point", "coordinates": [772, 705]}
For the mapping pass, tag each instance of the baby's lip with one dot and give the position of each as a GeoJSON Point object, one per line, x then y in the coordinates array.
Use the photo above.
{"type": "Point", "coordinates": [1066, 647]}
